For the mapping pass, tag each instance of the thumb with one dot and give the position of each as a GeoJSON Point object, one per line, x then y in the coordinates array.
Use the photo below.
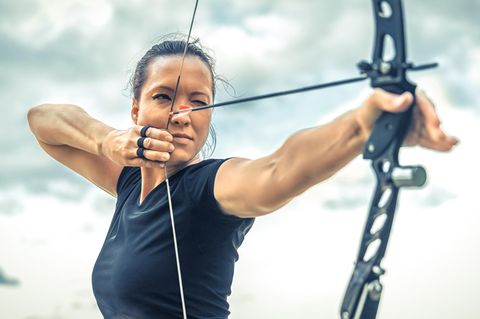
{"type": "Point", "coordinates": [390, 102]}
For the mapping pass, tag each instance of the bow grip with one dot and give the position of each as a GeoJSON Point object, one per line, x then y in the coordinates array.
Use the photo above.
{"type": "Point", "coordinates": [390, 127]}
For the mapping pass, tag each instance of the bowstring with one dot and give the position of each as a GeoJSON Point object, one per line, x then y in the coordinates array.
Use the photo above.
{"type": "Point", "coordinates": [167, 183]}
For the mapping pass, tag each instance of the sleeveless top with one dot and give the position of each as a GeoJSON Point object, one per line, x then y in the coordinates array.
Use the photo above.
{"type": "Point", "coordinates": [135, 275]}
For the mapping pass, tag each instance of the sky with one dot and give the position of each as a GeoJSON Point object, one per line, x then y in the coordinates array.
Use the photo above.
{"type": "Point", "coordinates": [297, 260]}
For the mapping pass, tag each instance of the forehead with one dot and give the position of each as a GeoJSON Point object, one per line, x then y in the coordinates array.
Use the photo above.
{"type": "Point", "coordinates": [166, 69]}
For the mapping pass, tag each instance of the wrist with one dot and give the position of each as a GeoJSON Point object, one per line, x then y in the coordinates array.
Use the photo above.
{"type": "Point", "coordinates": [103, 142]}
{"type": "Point", "coordinates": [365, 118]}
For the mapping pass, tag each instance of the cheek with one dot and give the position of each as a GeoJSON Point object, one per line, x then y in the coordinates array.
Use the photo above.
{"type": "Point", "coordinates": [203, 122]}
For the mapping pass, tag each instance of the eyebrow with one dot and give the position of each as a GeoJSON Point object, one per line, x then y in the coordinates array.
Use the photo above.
{"type": "Point", "coordinates": [168, 88]}
{"type": "Point", "coordinates": [199, 93]}
{"type": "Point", "coordinates": [164, 87]}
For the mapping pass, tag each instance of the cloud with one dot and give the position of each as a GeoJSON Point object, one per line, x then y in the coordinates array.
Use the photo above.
{"type": "Point", "coordinates": [71, 51]}
{"type": "Point", "coordinates": [10, 206]}
{"type": "Point", "coordinates": [82, 53]}
{"type": "Point", "coordinates": [7, 280]}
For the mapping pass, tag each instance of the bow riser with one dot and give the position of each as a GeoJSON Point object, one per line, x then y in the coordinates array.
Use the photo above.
{"type": "Point", "coordinates": [364, 290]}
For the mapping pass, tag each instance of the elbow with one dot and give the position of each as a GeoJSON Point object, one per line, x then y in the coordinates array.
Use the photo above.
{"type": "Point", "coordinates": [36, 112]}
{"type": "Point", "coordinates": [34, 115]}
{"type": "Point", "coordinates": [37, 117]}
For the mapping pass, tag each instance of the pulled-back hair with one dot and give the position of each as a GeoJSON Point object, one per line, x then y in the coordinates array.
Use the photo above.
{"type": "Point", "coordinates": [169, 48]}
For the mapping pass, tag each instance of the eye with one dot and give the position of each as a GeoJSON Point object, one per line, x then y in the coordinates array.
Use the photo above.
{"type": "Point", "coordinates": [161, 96]}
{"type": "Point", "coordinates": [199, 102]}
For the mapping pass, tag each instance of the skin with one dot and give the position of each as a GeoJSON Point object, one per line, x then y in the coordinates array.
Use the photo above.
{"type": "Point", "coordinates": [243, 187]}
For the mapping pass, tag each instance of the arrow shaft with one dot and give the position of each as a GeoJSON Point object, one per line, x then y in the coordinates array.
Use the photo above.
{"type": "Point", "coordinates": [274, 94]}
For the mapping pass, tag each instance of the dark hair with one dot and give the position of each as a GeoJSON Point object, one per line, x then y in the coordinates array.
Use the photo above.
{"type": "Point", "coordinates": [170, 48]}
{"type": "Point", "coordinates": [176, 48]}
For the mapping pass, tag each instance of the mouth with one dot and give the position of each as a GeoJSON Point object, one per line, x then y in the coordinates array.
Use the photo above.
{"type": "Point", "coordinates": [182, 135]}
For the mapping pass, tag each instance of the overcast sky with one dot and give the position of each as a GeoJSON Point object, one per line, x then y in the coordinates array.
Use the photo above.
{"type": "Point", "coordinates": [296, 261]}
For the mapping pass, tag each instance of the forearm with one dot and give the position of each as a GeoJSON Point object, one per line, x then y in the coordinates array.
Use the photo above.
{"type": "Point", "coordinates": [305, 159]}
{"type": "Point", "coordinates": [64, 124]}
{"type": "Point", "coordinates": [313, 155]}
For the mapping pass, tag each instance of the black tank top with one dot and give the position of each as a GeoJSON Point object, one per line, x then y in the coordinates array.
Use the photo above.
{"type": "Point", "coordinates": [135, 274]}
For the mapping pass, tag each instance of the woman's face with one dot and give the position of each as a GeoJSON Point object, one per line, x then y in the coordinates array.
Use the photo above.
{"type": "Point", "coordinates": [156, 96]}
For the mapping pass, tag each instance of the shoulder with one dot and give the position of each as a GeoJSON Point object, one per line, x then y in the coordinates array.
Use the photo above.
{"type": "Point", "coordinates": [204, 171]}
{"type": "Point", "coordinates": [201, 175]}
{"type": "Point", "coordinates": [207, 164]}
{"type": "Point", "coordinates": [199, 182]}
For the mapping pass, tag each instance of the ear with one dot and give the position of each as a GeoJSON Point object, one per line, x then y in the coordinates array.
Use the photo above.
{"type": "Point", "coordinates": [134, 111]}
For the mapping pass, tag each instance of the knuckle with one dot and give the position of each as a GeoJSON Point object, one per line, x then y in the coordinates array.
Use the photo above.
{"type": "Point", "coordinates": [147, 142]}
{"type": "Point", "coordinates": [167, 136]}
{"type": "Point", "coordinates": [167, 146]}
{"type": "Point", "coordinates": [123, 153]}
{"type": "Point", "coordinates": [148, 132]}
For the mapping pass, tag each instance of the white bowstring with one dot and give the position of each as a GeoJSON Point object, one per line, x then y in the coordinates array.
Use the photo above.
{"type": "Point", "coordinates": [167, 183]}
{"type": "Point", "coordinates": [177, 256]}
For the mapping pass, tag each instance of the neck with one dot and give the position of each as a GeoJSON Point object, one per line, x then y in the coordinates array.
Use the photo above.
{"type": "Point", "coordinates": [152, 177]}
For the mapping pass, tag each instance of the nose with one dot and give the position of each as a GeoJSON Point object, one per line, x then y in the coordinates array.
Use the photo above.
{"type": "Point", "coordinates": [181, 119]}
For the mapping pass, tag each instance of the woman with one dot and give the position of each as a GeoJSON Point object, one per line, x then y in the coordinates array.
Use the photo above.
{"type": "Point", "coordinates": [214, 201]}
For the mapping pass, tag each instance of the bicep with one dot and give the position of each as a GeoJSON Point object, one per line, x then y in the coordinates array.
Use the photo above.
{"type": "Point", "coordinates": [250, 188]}
{"type": "Point", "coordinates": [97, 169]}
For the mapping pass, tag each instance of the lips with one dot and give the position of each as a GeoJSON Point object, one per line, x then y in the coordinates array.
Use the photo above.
{"type": "Point", "coordinates": [182, 135]}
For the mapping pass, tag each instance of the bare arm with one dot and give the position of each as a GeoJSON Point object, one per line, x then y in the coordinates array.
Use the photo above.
{"type": "Point", "coordinates": [250, 188]}
{"type": "Point", "coordinates": [91, 148]}
{"type": "Point", "coordinates": [305, 159]}
{"type": "Point", "coordinates": [72, 137]}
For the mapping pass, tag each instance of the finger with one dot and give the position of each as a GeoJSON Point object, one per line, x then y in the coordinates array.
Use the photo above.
{"type": "Point", "coordinates": [390, 102]}
{"type": "Point", "coordinates": [417, 128]}
{"type": "Point", "coordinates": [156, 156]}
{"type": "Point", "coordinates": [131, 153]}
{"type": "Point", "coordinates": [160, 134]}
{"type": "Point", "coordinates": [142, 162]}
{"type": "Point", "coordinates": [138, 129]}
{"type": "Point", "coordinates": [432, 122]}
{"type": "Point", "coordinates": [155, 133]}
{"type": "Point", "coordinates": [437, 140]}
{"type": "Point", "coordinates": [437, 135]}
{"type": "Point", "coordinates": [445, 145]}
{"type": "Point", "coordinates": [427, 108]}
{"type": "Point", "coordinates": [152, 150]}
{"type": "Point", "coordinates": [156, 145]}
